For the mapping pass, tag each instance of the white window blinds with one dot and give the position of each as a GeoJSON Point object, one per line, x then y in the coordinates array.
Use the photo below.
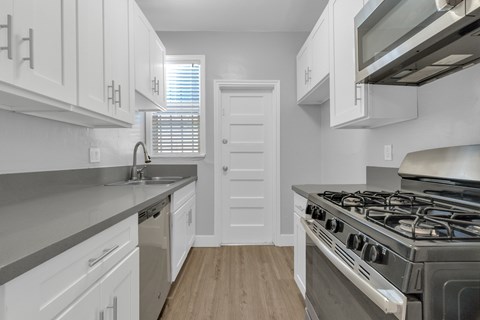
{"type": "Point", "coordinates": [177, 130]}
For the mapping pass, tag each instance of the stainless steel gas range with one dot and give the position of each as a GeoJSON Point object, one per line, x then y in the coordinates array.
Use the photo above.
{"type": "Point", "coordinates": [410, 254]}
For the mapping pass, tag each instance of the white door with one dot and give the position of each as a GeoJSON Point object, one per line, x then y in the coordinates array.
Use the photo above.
{"type": "Point", "coordinates": [247, 160]}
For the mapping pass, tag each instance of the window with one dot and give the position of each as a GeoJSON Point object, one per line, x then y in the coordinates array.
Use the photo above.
{"type": "Point", "coordinates": [179, 131]}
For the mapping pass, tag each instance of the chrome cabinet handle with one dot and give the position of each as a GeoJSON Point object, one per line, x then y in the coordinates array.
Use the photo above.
{"type": "Point", "coordinates": [309, 72]}
{"type": "Point", "coordinates": [114, 307]}
{"type": "Point", "coordinates": [30, 50]}
{"type": "Point", "coordinates": [112, 98]}
{"type": "Point", "coordinates": [225, 168]}
{"type": "Point", "coordinates": [224, 141]}
{"type": "Point", "coordinates": [157, 86]}
{"type": "Point", "coordinates": [8, 26]}
{"type": "Point", "coordinates": [305, 76]}
{"type": "Point", "coordinates": [357, 86]}
{"type": "Point", "coordinates": [154, 85]}
{"type": "Point", "coordinates": [102, 315]}
{"type": "Point", "coordinates": [119, 101]}
{"type": "Point", "coordinates": [106, 252]}
{"type": "Point", "coordinates": [190, 217]}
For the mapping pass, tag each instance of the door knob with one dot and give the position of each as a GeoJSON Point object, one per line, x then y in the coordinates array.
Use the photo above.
{"type": "Point", "coordinates": [225, 141]}
{"type": "Point", "coordinates": [225, 168]}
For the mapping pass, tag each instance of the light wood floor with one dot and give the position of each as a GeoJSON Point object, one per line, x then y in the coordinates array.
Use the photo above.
{"type": "Point", "coordinates": [236, 283]}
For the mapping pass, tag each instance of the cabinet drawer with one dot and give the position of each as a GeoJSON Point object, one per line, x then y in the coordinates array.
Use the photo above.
{"type": "Point", "coordinates": [299, 204]}
{"type": "Point", "coordinates": [181, 196]}
{"type": "Point", "coordinates": [43, 292]}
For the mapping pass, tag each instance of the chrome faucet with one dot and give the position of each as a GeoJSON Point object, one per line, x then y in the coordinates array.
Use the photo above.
{"type": "Point", "coordinates": [135, 172]}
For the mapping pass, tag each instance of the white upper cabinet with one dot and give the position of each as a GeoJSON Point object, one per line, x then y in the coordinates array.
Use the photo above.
{"type": "Point", "coordinates": [41, 41]}
{"type": "Point", "coordinates": [313, 65]}
{"type": "Point", "coordinates": [104, 65]}
{"type": "Point", "coordinates": [357, 105]}
{"type": "Point", "coordinates": [149, 64]}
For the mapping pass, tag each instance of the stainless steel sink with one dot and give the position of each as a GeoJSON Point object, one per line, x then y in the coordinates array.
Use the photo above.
{"type": "Point", "coordinates": [148, 181]}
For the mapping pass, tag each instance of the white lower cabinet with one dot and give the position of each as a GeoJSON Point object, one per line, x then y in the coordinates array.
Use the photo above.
{"type": "Point", "coordinates": [299, 245]}
{"type": "Point", "coordinates": [182, 231]}
{"type": "Point", "coordinates": [98, 277]}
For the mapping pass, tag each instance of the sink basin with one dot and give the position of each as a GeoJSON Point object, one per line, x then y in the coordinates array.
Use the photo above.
{"type": "Point", "coordinates": [148, 181]}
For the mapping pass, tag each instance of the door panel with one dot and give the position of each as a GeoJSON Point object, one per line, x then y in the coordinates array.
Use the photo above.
{"type": "Point", "coordinates": [92, 76]}
{"type": "Point", "coordinates": [84, 308]}
{"type": "Point", "coordinates": [247, 156]}
{"type": "Point", "coordinates": [52, 49]}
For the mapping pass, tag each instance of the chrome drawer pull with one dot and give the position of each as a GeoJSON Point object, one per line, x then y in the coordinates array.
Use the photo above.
{"type": "Point", "coordinates": [119, 101]}
{"type": "Point", "coordinates": [105, 253]}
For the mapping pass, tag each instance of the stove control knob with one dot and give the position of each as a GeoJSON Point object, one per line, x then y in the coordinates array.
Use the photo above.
{"type": "Point", "coordinates": [373, 253]}
{"type": "Point", "coordinates": [355, 242]}
{"type": "Point", "coordinates": [333, 225]}
{"type": "Point", "coordinates": [309, 209]}
{"type": "Point", "coordinates": [318, 214]}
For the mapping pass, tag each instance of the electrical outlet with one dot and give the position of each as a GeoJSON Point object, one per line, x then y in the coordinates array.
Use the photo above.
{"type": "Point", "coordinates": [94, 155]}
{"type": "Point", "coordinates": [387, 152]}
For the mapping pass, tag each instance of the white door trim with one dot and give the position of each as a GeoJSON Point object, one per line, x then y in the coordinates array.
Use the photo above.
{"type": "Point", "coordinates": [218, 85]}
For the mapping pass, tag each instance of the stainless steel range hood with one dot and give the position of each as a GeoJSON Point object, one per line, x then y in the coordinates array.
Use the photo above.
{"type": "Point", "coordinates": [412, 42]}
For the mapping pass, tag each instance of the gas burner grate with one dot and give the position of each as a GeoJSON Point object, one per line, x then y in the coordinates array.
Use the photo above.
{"type": "Point", "coordinates": [362, 199]}
{"type": "Point", "coordinates": [429, 223]}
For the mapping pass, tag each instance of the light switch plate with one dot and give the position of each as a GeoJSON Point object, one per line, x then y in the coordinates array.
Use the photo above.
{"type": "Point", "coordinates": [94, 155]}
{"type": "Point", "coordinates": [387, 152]}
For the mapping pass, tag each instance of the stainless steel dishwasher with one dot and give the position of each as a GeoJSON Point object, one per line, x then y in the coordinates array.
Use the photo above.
{"type": "Point", "coordinates": [154, 243]}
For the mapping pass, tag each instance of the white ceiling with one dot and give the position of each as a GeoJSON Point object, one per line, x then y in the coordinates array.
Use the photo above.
{"type": "Point", "coordinates": [232, 15]}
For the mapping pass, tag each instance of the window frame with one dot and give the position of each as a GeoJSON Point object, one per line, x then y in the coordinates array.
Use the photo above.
{"type": "Point", "coordinates": [200, 59]}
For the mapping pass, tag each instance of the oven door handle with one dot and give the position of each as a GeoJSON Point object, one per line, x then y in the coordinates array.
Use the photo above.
{"type": "Point", "coordinates": [389, 305]}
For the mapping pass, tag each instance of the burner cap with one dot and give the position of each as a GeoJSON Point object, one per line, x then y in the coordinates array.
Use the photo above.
{"type": "Point", "coordinates": [474, 229]}
{"type": "Point", "coordinates": [423, 229]}
{"type": "Point", "coordinates": [352, 202]}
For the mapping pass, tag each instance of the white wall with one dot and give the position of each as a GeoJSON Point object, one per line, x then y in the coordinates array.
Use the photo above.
{"type": "Point", "coordinates": [449, 115]}
{"type": "Point", "coordinates": [257, 56]}
{"type": "Point", "coordinates": [29, 144]}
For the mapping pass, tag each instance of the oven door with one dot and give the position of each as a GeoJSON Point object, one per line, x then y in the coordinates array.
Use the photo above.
{"type": "Point", "coordinates": [334, 291]}
{"type": "Point", "coordinates": [393, 30]}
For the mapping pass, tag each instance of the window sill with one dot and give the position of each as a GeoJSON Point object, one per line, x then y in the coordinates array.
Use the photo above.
{"type": "Point", "coordinates": [180, 157]}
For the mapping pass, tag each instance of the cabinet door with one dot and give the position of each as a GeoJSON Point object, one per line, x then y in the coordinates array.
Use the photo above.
{"type": "Point", "coordinates": [6, 41]}
{"type": "Point", "coordinates": [157, 56]}
{"type": "Point", "coordinates": [320, 67]}
{"type": "Point", "coordinates": [299, 249]}
{"type": "Point", "coordinates": [178, 238]}
{"type": "Point", "coordinates": [118, 55]}
{"type": "Point", "coordinates": [49, 26]}
{"type": "Point", "coordinates": [93, 93]}
{"type": "Point", "coordinates": [87, 307]}
{"type": "Point", "coordinates": [303, 65]}
{"type": "Point", "coordinates": [143, 78]}
{"type": "Point", "coordinates": [120, 290]}
{"type": "Point", "coordinates": [347, 101]}
{"type": "Point", "coordinates": [191, 223]}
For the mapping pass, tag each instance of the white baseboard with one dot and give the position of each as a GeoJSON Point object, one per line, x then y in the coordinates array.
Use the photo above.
{"type": "Point", "coordinates": [206, 241]}
{"type": "Point", "coordinates": [284, 240]}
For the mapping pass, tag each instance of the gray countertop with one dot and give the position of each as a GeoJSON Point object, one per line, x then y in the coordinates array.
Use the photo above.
{"type": "Point", "coordinates": [305, 189]}
{"type": "Point", "coordinates": [32, 232]}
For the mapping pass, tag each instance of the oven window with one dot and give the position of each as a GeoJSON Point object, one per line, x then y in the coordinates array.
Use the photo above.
{"type": "Point", "coordinates": [332, 295]}
{"type": "Point", "coordinates": [391, 24]}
